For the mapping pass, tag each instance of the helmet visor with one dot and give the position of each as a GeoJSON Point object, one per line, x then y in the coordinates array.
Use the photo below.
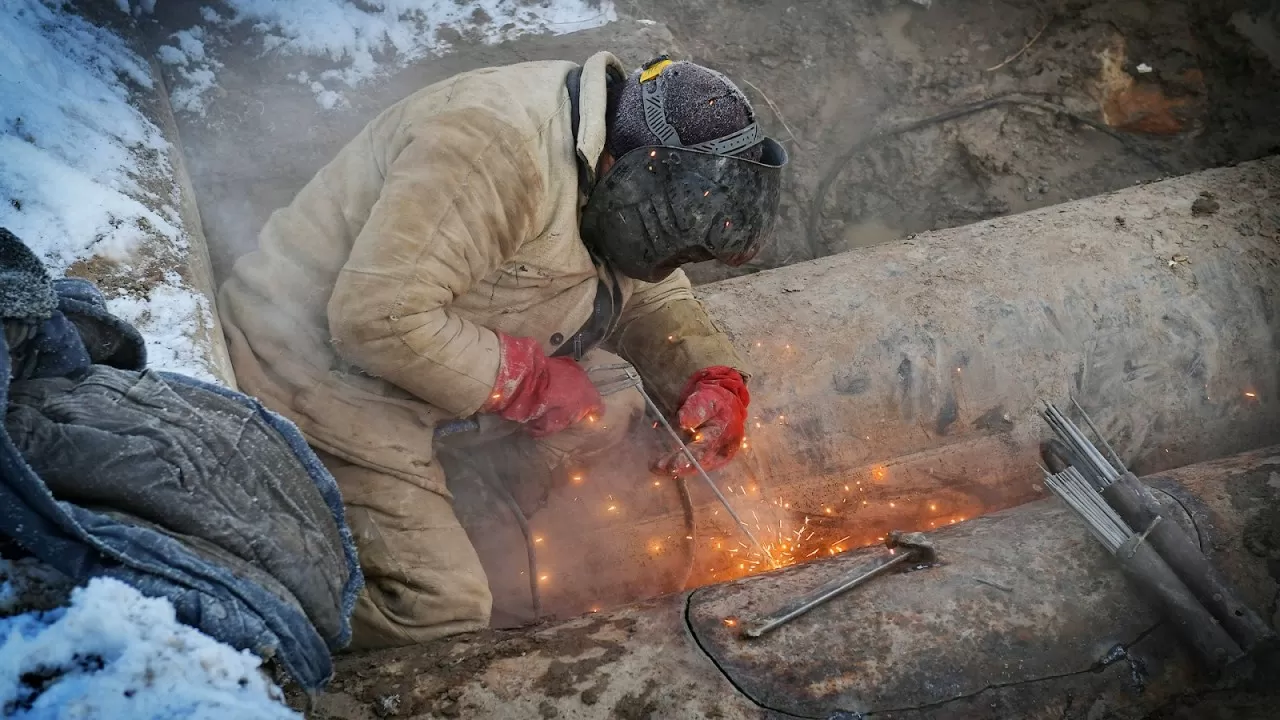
{"type": "Point", "coordinates": [661, 207]}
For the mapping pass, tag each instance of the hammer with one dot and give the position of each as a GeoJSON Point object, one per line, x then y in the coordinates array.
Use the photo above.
{"type": "Point", "coordinates": [915, 547]}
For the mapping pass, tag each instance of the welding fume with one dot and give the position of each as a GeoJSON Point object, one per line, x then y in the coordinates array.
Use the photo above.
{"type": "Point", "coordinates": [485, 287]}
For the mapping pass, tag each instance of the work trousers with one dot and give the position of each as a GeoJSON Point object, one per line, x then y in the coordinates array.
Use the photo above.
{"type": "Point", "coordinates": [423, 578]}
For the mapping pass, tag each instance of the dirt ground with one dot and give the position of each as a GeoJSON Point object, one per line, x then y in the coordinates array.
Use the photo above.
{"type": "Point", "coordinates": [901, 115]}
{"type": "Point", "coordinates": [1113, 93]}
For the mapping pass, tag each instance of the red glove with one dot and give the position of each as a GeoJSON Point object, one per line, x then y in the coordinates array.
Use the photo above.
{"type": "Point", "coordinates": [714, 407]}
{"type": "Point", "coordinates": [545, 394]}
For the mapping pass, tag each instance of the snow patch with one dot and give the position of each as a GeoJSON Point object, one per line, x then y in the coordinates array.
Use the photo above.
{"type": "Point", "coordinates": [114, 653]}
{"type": "Point", "coordinates": [140, 7]}
{"type": "Point", "coordinates": [168, 318]}
{"type": "Point", "coordinates": [189, 95]}
{"type": "Point", "coordinates": [170, 55]}
{"type": "Point", "coordinates": [77, 160]}
{"type": "Point", "coordinates": [189, 43]}
{"type": "Point", "coordinates": [368, 38]}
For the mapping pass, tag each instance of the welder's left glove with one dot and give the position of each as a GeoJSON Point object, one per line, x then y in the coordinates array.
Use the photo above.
{"type": "Point", "coordinates": [713, 409]}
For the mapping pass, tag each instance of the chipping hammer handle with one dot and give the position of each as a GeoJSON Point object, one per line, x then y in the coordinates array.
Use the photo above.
{"type": "Point", "coordinates": [820, 596]}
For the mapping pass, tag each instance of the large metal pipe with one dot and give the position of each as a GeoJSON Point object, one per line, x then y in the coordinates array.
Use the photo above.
{"type": "Point", "coordinates": [1158, 306]}
{"type": "Point", "coordinates": [896, 386]}
{"type": "Point", "coordinates": [1025, 616]}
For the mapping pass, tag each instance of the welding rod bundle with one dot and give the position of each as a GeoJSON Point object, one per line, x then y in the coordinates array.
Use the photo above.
{"type": "Point", "coordinates": [1153, 551]}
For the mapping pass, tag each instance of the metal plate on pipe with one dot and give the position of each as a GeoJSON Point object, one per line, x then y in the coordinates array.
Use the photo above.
{"type": "Point", "coordinates": [1019, 596]}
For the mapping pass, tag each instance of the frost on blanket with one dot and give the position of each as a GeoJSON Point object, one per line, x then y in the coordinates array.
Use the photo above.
{"type": "Point", "coordinates": [114, 653]}
{"type": "Point", "coordinates": [86, 180]}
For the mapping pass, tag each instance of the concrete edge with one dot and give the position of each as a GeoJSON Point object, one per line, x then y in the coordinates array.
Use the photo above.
{"type": "Point", "coordinates": [199, 266]}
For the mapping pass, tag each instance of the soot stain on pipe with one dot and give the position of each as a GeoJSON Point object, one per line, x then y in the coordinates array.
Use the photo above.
{"type": "Point", "coordinates": [850, 381]}
{"type": "Point", "coordinates": [904, 385]}
{"type": "Point", "coordinates": [949, 413]}
{"type": "Point", "coordinates": [995, 420]}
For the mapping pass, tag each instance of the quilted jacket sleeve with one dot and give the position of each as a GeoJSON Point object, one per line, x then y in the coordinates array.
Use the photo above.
{"type": "Point", "coordinates": [457, 201]}
{"type": "Point", "coordinates": [668, 336]}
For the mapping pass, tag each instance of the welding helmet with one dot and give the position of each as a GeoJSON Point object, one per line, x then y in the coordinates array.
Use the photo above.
{"type": "Point", "coordinates": [664, 205]}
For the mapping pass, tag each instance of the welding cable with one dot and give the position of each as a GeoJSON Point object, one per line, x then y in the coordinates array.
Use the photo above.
{"type": "Point", "coordinates": [629, 378]}
{"type": "Point", "coordinates": [494, 481]}
{"type": "Point", "coordinates": [813, 234]}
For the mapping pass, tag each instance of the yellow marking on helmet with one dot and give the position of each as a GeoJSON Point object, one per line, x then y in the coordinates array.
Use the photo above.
{"type": "Point", "coordinates": [654, 70]}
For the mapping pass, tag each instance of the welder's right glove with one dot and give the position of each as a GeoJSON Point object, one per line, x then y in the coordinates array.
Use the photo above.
{"type": "Point", "coordinates": [713, 407]}
{"type": "Point", "coordinates": [544, 394]}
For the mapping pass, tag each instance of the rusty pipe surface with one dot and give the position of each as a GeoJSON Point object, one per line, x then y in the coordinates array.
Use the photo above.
{"type": "Point", "coordinates": [895, 386]}
{"type": "Point", "coordinates": [1024, 617]}
{"type": "Point", "coordinates": [1162, 321]}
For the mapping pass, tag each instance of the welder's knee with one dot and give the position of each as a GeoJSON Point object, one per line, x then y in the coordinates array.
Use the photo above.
{"type": "Point", "coordinates": [423, 578]}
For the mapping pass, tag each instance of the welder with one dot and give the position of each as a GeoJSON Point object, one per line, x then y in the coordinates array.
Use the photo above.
{"type": "Point", "coordinates": [470, 253]}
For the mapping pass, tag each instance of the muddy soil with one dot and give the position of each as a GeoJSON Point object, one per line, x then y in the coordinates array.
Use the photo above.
{"type": "Point", "coordinates": [881, 103]}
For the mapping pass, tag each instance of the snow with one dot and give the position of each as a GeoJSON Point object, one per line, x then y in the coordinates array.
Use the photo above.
{"type": "Point", "coordinates": [114, 653]}
{"type": "Point", "coordinates": [77, 159]}
{"type": "Point", "coordinates": [165, 313]}
{"type": "Point", "coordinates": [367, 38]}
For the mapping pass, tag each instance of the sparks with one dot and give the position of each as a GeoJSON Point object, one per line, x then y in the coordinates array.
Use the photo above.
{"type": "Point", "coordinates": [731, 622]}
{"type": "Point", "coordinates": [537, 539]}
{"type": "Point", "coordinates": [1251, 394]}
{"type": "Point", "coordinates": [613, 508]}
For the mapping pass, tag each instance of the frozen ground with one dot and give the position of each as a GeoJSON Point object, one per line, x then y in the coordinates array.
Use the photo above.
{"type": "Point", "coordinates": [113, 653]}
{"type": "Point", "coordinates": [362, 39]}
{"type": "Point", "coordinates": [85, 177]}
